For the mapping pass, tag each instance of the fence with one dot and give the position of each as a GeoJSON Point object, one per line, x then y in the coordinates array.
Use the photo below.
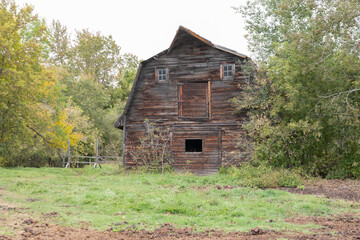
{"type": "Point", "coordinates": [97, 158]}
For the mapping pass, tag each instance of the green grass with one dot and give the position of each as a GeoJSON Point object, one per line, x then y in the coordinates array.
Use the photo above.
{"type": "Point", "coordinates": [98, 196]}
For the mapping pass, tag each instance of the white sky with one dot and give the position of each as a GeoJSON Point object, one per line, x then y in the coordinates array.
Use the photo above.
{"type": "Point", "coordinates": [145, 27]}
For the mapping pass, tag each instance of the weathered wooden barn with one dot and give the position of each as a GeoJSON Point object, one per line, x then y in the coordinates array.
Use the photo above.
{"type": "Point", "coordinates": [188, 88]}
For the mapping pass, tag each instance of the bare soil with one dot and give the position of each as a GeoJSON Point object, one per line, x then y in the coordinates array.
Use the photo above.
{"type": "Point", "coordinates": [341, 189]}
{"type": "Point", "coordinates": [23, 225]}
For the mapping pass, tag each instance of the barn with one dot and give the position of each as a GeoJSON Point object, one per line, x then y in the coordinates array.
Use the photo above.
{"type": "Point", "coordinates": [188, 88]}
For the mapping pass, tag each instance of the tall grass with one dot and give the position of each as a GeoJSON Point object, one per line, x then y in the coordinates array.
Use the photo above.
{"type": "Point", "coordinates": [265, 176]}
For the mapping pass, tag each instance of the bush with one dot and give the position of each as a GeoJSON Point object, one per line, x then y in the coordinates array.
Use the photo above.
{"type": "Point", "coordinates": [264, 176]}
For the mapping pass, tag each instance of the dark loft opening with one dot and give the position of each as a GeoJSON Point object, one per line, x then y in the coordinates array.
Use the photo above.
{"type": "Point", "coordinates": [193, 145]}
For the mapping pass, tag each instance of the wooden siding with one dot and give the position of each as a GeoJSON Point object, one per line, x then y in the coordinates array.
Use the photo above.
{"type": "Point", "coordinates": [194, 100]}
{"type": "Point", "coordinates": [204, 162]}
{"type": "Point", "coordinates": [193, 96]}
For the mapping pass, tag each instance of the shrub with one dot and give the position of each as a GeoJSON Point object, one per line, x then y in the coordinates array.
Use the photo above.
{"type": "Point", "coordinates": [264, 176]}
{"type": "Point", "coordinates": [153, 153]}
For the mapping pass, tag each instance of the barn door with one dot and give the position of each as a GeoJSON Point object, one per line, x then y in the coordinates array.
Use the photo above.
{"type": "Point", "coordinates": [196, 149]}
{"type": "Point", "coordinates": [194, 100]}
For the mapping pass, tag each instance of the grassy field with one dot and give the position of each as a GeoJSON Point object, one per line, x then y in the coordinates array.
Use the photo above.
{"type": "Point", "coordinates": [108, 197]}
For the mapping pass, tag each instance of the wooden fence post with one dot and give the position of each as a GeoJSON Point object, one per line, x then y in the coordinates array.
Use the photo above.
{"type": "Point", "coordinates": [68, 163]}
{"type": "Point", "coordinates": [97, 155]}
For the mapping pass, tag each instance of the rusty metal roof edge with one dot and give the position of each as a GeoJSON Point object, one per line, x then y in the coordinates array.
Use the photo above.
{"type": "Point", "coordinates": [228, 50]}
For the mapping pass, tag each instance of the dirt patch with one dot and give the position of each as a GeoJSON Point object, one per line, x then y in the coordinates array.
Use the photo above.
{"type": "Point", "coordinates": [341, 189]}
{"type": "Point", "coordinates": [333, 227]}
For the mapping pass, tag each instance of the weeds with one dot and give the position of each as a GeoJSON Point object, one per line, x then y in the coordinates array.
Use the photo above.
{"type": "Point", "coordinates": [264, 176]}
{"type": "Point", "coordinates": [152, 153]}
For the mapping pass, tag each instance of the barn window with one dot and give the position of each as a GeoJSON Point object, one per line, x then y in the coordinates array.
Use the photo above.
{"type": "Point", "coordinates": [227, 71]}
{"type": "Point", "coordinates": [193, 145]}
{"type": "Point", "coordinates": [162, 74]}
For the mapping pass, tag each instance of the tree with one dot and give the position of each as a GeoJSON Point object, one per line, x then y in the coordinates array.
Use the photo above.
{"type": "Point", "coordinates": [53, 89]}
{"type": "Point", "coordinates": [21, 79]}
{"type": "Point", "coordinates": [126, 78]}
{"type": "Point", "coordinates": [60, 44]}
{"type": "Point", "coordinates": [305, 99]}
{"type": "Point", "coordinates": [95, 55]}
{"type": "Point", "coordinates": [33, 119]}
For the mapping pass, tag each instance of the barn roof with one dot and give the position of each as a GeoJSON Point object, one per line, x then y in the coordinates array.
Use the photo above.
{"type": "Point", "coordinates": [181, 33]}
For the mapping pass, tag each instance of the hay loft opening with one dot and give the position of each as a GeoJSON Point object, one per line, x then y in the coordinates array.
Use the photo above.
{"type": "Point", "coordinates": [193, 145]}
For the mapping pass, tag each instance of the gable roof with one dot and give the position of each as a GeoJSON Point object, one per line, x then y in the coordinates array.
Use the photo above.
{"type": "Point", "coordinates": [181, 32]}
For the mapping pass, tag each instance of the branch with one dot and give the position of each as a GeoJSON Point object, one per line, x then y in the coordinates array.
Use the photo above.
{"type": "Point", "coordinates": [338, 94]}
{"type": "Point", "coordinates": [341, 93]}
{"type": "Point", "coordinates": [37, 133]}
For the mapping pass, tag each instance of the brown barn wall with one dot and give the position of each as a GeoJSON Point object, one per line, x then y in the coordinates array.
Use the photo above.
{"type": "Point", "coordinates": [231, 154]}
{"type": "Point", "coordinates": [159, 102]}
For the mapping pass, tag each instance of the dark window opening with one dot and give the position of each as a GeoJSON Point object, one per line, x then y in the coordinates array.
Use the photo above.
{"type": "Point", "coordinates": [193, 145]}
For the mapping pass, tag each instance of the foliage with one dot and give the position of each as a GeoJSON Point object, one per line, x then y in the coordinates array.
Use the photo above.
{"type": "Point", "coordinates": [32, 123]}
{"type": "Point", "coordinates": [95, 55]}
{"type": "Point", "coordinates": [103, 198]}
{"type": "Point", "coordinates": [153, 152]}
{"type": "Point", "coordinates": [303, 103]}
{"type": "Point", "coordinates": [53, 89]}
{"type": "Point", "coordinates": [93, 71]}
{"type": "Point", "coordinates": [59, 44]}
{"type": "Point", "coordinates": [264, 176]}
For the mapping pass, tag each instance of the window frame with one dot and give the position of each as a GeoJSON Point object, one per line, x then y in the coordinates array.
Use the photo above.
{"type": "Point", "coordinates": [222, 71]}
{"type": "Point", "coordinates": [159, 73]}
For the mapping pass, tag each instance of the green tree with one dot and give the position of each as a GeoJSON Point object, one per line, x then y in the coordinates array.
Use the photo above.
{"type": "Point", "coordinates": [304, 102]}
{"type": "Point", "coordinates": [22, 36]}
{"type": "Point", "coordinates": [59, 45]}
{"type": "Point", "coordinates": [53, 89]}
{"type": "Point", "coordinates": [95, 55]}
{"type": "Point", "coordinates": [126, 78]}
{"type": "Point", "coordinates": [97, 79]}
{"type": "Point", "coordinates": [34, 120]}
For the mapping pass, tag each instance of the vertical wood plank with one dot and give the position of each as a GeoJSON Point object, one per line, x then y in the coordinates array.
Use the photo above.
{"type": "Point", "coordinates": [209, 96]}
{"type": "Point", "coordinates": [167, 75]}
{"type": "Point", "coordinates": [156, 75]}
{"type": "Point", "coordinates": [181, 100]}
{"type": "Point", "coordinates": [220, 147]}
{"type": "Point", "coordinates": [124, 142]}
{"type": "Point", "coordinates": [221, 71]}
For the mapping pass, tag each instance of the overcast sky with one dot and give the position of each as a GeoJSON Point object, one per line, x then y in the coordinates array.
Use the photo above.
{"type": "Point", "coordinates": [145, 27]}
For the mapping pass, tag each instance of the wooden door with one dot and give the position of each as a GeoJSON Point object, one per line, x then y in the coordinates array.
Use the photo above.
{"type": "Point", "coordinates": [194, 100]}
{"type": "Point", "coordinates": [196, 149]}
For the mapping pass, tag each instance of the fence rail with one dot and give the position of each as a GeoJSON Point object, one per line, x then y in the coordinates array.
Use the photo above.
{"type": "Point", "coordinates": [98, 159]}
